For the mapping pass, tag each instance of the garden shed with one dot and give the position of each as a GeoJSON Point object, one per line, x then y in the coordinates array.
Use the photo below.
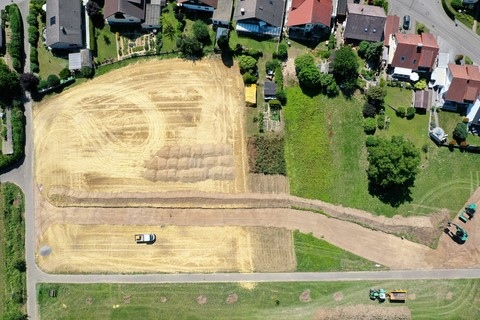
{"type": "Point", "coordinates": [270, 90]}
{"type": "Point", "coordinates": [78, 60]}
{"type": "Point", "coordinates": [421, 100]}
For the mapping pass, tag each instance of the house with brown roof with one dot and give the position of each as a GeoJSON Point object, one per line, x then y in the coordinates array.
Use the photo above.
{"type": "Point", "coordinates": [124, 11]}
{"type": "Point", "coordinates": [391, 26]}
{"type": "Point", "coordinates": [412, 53]}
{"type": "Point", "coordinates": [259, 17]}
{"type": "Point", "coordinates": [198, 5]}
{"type": "Point", "coordinates": [223, 13]}
{"type": "Point", "coordinates": [364, 22]}
{"type": "Point", "coordinates": [309, 18]}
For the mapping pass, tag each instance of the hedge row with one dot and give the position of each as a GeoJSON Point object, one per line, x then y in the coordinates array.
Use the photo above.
{"type": "Point", "coordinates": [14, 249]}
{"type": "Point", "coordinates": [448, 9]}
{"type": "Point", "coordinates": [18, 136]}
{"type": "Point", "coordinates": [15, 47]}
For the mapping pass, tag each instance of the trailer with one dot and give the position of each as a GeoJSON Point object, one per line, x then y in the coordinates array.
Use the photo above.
{"type": "Point", "coordinates": [397, 295]}
{"type": "Point", "coordinates": [145, 238]}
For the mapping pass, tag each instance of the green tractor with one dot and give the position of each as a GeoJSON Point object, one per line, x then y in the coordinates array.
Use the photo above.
{"type": "Point", "coordinates": [468, 212]}
{"type": "Point", "coordinates": [378, 294]}
{"type": "Point", "coordinates": [461, 235]}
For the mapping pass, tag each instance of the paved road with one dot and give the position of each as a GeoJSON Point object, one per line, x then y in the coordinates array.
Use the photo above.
{"type": "Point", "coordinates": [458, 39]}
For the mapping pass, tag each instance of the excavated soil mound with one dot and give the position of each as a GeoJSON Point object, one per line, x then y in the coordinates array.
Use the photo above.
{"type": "Point", "coordinates": [232, 298]}
{"type": "Point", "coordinates": [305, 296]}
{"type": "Point", "coordinates": [202, 299]}
{"type": "Point", "coordinates": [338, 296]}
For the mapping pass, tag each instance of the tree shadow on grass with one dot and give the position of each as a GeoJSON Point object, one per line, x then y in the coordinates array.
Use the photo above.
{"type": "Point", "coordinates": [394, 195]}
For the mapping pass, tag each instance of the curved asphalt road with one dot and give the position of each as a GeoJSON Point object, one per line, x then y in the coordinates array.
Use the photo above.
{"type": "Point", "coordinates": [429, 12]}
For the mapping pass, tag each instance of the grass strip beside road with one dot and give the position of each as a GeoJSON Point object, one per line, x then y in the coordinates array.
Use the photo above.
{"type": "Point", "coordinates": [13, 259]}
{"type": "Point", "coordinates": [317, 255]}
{"type": "Point", "coordinates": [427, 299]}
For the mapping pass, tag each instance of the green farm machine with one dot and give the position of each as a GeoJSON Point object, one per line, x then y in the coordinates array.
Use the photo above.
{"type": "Point", "coordinates": [378, 294]}
{"type": "Point", "coordinates": [460, 235]}
{"type": "Point", "coordinates": [468, 213]}
{"type": "Point", "coordinates": [397, 295]}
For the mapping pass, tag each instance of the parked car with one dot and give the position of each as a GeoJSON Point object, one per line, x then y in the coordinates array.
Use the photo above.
{"type": "Point", "coordinates": [406, 22]}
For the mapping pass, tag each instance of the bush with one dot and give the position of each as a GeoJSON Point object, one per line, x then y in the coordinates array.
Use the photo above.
{"type": "Point", "coordinates": [87, 72]}
{"type": "Point", "coordinates": [256, 54]}
{"type": "Point", "coordinates": [247, 64]}
{"type": "Point", "coordinates": [460, 132]}
{"type": "Point", "coordinates": [371, 141]}
{"type": "Point", "coordinates": [420, 85]}
{"type": "Point", "coordinates": [468, 60]}
{"type": "Point", "coordinates": [200, 32]}
{"type": "Point", "coordinates": [420, 28]}
{"type": "Point", "coordinates": [458, 58]}
{"type": "Point", "coordinates": [249, 78]}
{"type": "Point", "coordinates": [15, 47]}
{"type": "Point", "coordinates": [332, 42]}
{"type": "Point", "coordinates": [33, 35]}
{"type": "Point", "coordinates": [42, 84]}
{"type": "Point", "coordinates": [401, 112]}
{"type": "Point", "coordinates": [381, 122]}
{"type": "Point", "coordinates": [53, 81]}
{"type": "Point", "coordinates": [282, 96]}
{"type": "Point", "coordinates": [34, 67]}
{"type": "Point", "coordinates": [275, 104]}
{"type": "Point", "coordinates": [457, 4]}
{"type": "Point", "coordinates": [465, 120]}
{"type": "Point", "coordinates": [369, 111]}
{"type": "Point", "coordinates": [282, 52]}
{"type": "Point", "coordinates": [32, 19]}
{"type": "Point", "coordinates": [464, 144]}
{"type": "Point", "coordinates": [410, 112]}
{"type": "Point", "coordinates": [369, 125]}
{"type": "Point", "coordinates": [65, 73]}
{"type": "Point", "coordinates": [29, 81]}
{"type": "Point", "coordinates": [272, 65]}
{"type": "Point", "coordinates": [33, 55]}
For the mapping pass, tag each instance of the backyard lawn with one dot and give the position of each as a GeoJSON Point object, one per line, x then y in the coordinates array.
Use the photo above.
{"type": "Point", "coordinates": [427, 299]}
{"type": "Point", "coordinates": [448, 120]}
{"type": "Point", "coordinates": [106, 44]}
{"type": "Point", "coordinates": [49, 64]}
{"type": "Point", "coordinates": [327, 158]}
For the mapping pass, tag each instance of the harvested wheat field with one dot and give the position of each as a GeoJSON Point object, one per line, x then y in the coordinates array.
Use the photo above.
{"type": "Point", "coordinates": [112, 249]}
{"type": "Point", "coordinates": [150, 127]}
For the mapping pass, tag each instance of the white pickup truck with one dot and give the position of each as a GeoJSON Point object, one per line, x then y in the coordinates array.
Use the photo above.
{"type": "Point", "coordinates": [145, 238]}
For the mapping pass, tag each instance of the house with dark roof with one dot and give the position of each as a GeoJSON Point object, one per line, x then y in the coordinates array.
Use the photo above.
{"type": "Point", "coordinates": [412, 53]}
{"type": "Point", "coordinates": [364, 22]}
{"type": "Point", "coordinates": [421, 100]}
{"type": "Point", "coordinates": [153, 11]}
{"type": "Point", "coordinates": [124, 11]}
{"type": "Point", "coordinates": [198, 5]}
{"type": "Point", "coordinates": [64, 28]}
{"type": "Point", "coordinates": [341, 9]}
{"type": "Point", "coordinates": [223, 13]}
{"type": "Point", "coordinates": [309, 18]}
{"type": "Point", "coordinates": [259, 17]}
{"type": "Point", "coordinates": [269, 90]}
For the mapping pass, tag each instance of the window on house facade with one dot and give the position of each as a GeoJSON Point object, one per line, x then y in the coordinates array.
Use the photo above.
{"type": "Point", "coordinates": [52, 20]}
{"type": "Point", "coordinates": [402, 58]}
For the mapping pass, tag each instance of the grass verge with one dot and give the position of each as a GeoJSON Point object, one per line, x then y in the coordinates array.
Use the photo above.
{"type": "Point", "coordinates": [13, 259]}
{"type": "Point", "coordinates": [428, 299]}
{"type": "Point", "coordinates": [316, 255]}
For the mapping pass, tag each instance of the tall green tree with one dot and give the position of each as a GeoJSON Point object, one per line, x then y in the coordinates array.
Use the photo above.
{"type": "Point", "coordinates": [190, 46]}
{"type": "Point", "coordinates": [460, 133]}
{"type": "Point", "coordinates": [200, 32]}
{"type": "Point", "coordinates": [393, 164]}
{"type": "Point", "coordinates": [345, 69]}
{"type": "Point", "coordinates": [9, 83]}
{"type": "Point", "coordinates": [247, 64]}
{"type": "Point", "coordinates": [376, 96]}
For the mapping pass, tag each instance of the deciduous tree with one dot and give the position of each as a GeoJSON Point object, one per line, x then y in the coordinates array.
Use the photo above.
{"type": "Point", "coordinates": [345, 69]}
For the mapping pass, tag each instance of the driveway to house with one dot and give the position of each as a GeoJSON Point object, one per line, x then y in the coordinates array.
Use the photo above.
{"type": "Point", "coordinates": [459, 39]}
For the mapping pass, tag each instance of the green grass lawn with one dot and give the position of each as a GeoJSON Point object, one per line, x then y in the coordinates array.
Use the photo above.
{"type": "Point", "coordinates": [315, 255]}
{"type": "Point", "coordinates": [106, 44]}
{"type": "Point", "coordinates": [49, 64]}
{"type": "Point", "coordinates": [415, 130]}
{"type": "Point", "coordinates": [428, 299]}
{"type": "Point", "coordinates": [448, 120]}
{"type": "Point", "coordinates": [267, 46]}
{"type": "Point", "coordinates": [327, 159]}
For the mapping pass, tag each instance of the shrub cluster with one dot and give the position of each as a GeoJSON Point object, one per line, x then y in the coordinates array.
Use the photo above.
{"type": "Point", "coordinates": [18, 136]}
{"type": "Point", "coordinates": [15, 266]}
{"type": "Point", "coordinates": [267, 155]}
{"type": "Point", "coordinates": [33, 34]}
{"type": "Point", "coordinates": [15, 47]}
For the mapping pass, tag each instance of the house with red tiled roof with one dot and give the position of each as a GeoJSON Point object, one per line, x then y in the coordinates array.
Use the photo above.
{"type": "Point", "coordinates": [309, 18]}
{"type": "Point", "coordinates": [412, 53]}
{"type": "Point", "coordinates": [462, 91]}
{"type": "Point", "coordinates": [391, 26]}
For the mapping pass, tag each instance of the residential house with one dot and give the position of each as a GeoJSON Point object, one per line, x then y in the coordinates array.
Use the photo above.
{"type": "Point", "coordinates": [223, 13]}
{"type": "Point", "coordinates": [198, 5]}
{"type": "Point", "coordinates": [392, 25]}
{"type": "Point", "coordinates": [269, 90]}
{"type": "Point", "coordinates": [153, 11]}
{"type": "Point", "coordinates": [64, 28]}
{"type": "Point", "coordinates": [78, 60]}
{"type": "Point", "coordinates": [364, 22]}
{"type": "Point", "coordinates": [462, 87]}
{"type": "Point", "coordinates": [309, 18]}
{"type": "Point", "coordinates": [260, 17]}
{"type": "Point", "coordinates": [124, 11]}
{"type": "Point", "coordinates": [411, 54]}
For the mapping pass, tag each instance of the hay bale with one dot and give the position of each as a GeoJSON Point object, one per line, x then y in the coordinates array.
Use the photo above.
{"type": "Point", "coordinates": [151, 164]}
{"type": "Point", "coordinates": [193, 175]}
{"type": "Point", "coordinates": [228, 173]}
{"type": "Point", "coordinates": [161, 163]}
{"type": "Point", "coordinates": [196, 151]}
{"type": "Point", "coordinates": [226, 160]}
{"type": "Point", "coordinates": [210, 162]}
{"type": "Point", "coordinates": [163, 153]}
{"type": "Point", "coordinates": [174, 151]}
{"type": "Point", "coordinates": [161, 175]}
{"type": "Point", "coordinates": [208, 150]}
{"type": "Point", "coordinates": [184, 151]}
{"type": "Point", "coordinates": [172, 163]}
{"type": "Point", "coordinates": [150, 175]}
{"type": "Point", "coordinates": [183, 163]}
{"type": "Point", "coordinates": [172, 175]}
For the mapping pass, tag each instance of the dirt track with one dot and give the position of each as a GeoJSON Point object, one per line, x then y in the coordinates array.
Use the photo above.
{"type": "Point", "coordinates": [155, 126]}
